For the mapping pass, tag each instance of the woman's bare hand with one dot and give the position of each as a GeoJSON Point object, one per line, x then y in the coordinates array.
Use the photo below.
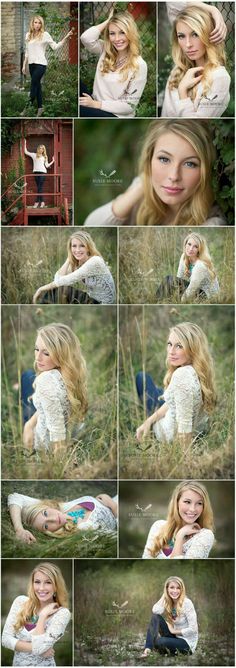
{"type": "Point", "coordinates": [189, 529]}
{"type": "Point", "coordinates": [105, 499]}
{"type": "Point", "coordinates": [28, 436]}
{"type": "Point", "coordinates": [25, 535]}
{"type": "Point", "coordinates": [192, 77]}
{"type": "Point", "coordinates": [49, 610]}
{"type": "Point", "coordinates": [49, 653]}
{"type": "Point", "coordinates": [219, 33]}
{"type": "Point", "coordinates": [143, 430]}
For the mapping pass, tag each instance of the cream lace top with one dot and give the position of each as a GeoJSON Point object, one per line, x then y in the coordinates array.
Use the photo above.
{"type": "Point", "coordinates": [200, 279]}
{"type": "Point", "coordinates": [54, 629]}
{"type": "Point", "coordinates": [97, 278]}
{"type": "Point", "coordinates": [53, 407]}
{"type": "Point", "coordinates": [118, 97]}
{"type": "Point", "coordinates": [196, 547]}
{"type": "Point", "coordinates": [185, 414]}
{"type": "Point", "coordinates": [186, 622]}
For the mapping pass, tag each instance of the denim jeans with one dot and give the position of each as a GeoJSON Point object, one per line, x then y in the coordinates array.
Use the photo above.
{"type": "Point", "coordinates": [152, 392]}
{"type": "Point", "coordinates": [68, 295]}
{"type": "Point", "coordinates": [39, 178]}
{"type": "Point", "coordinates": [86, 112]}
{"type": "Point", "coordinates": [36, 73]}
{"type": "Point", "coordinates": [159, 637]}
{"type": "Point", "coordinates": [28, 409]}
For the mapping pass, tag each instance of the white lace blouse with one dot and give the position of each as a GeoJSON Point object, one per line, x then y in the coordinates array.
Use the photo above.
{"type": "Point", "coordinates": [200, 279]}
{"type": "Point", "coordinates": [186, 622]}
{"type": "Point", "coordinates": [118, 97]}
{"type": "Point", "coordinates": [54, 629]}
{"type": "Point", "coordinates": [101, 518]}
{"type": "Point", "coordinates": [35, 48]}
{"type": "Point", "coordinates": [53, 407]}
{"type": "Point", "coordinates": [185, 414]}
{"type": "Point", "coordinates": [196, 547]}
{"type": "Point", "coordinates": [104, 216]}
{"type": "Point", "coordinates": [97, 278]}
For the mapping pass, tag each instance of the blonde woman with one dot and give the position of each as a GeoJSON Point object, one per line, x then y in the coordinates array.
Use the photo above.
{"type": "Point", "coordinates": [182, 410]}
{"type": "Point", "coordinates": [187, 532]}
{"type": "Point", "coordinates": [196, 275]}
{"type": "Point", "coordinates": [121, 72]}
{"type": "Point", "coordinates": [36, 42]}
{"type": "Point", "coordinates": [59, 389]}
{"type": "Point", "coordinates": [40, 166]}
{"type": "Point", "coordinates": [36, 621]}
{"type": "Point", "coordinates": [199, 83]}
{"type": "Point", "coordinates": [174, 183]}
{"type": "Point", "coordinates": [85, 265]}
{"type": "Point", "coordinates": [61, 519]}
{"type": "Point", "coordinates": [173, 626]}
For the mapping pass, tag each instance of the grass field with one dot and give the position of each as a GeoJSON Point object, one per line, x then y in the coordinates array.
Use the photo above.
{"type": "Point", "coordinates": [125, 591]}
{"type": "Point", "coordinates": [143, 334]}
{"type": "Point", "coordinates": [31, 257]}
{"type": "Point", "coordinates": [82, 544]}
{"type": "Point", "coordinates": [147, 255]}
{"type": "Point", "coordinates": [91, 453]}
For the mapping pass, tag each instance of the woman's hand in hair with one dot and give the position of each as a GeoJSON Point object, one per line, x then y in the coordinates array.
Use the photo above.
{"type": "Point", "coordinates": [25, 535]}
{"type": "Point", "coordinates": [219, 33]}
{"type": "Point", "coordinates": [192, 77]}
{"type": "Point", "coordinates": [87, 101]}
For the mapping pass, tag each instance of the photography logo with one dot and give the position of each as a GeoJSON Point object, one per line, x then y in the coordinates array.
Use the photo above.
{"type": "Point", "coordinates": [119, 609]}
{"type": "Point", "coordinates": [141, 511]}
{"type": "Point", "coordinates": [106, 177]}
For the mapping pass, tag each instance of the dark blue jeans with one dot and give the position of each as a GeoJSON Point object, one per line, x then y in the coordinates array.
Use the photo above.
{"type": "Point", "coordinates": [152, 392]}
{"type": "Point", "coordinates": [91, 112]}
{"type": "Point", "coordinates": [39, 178]}
{"type": "Point", "coordinates": [28, 409]}
{"type": "Point", "coordinates": [36, 73]}
{"type": "Point", "coordinates": [159, 637]}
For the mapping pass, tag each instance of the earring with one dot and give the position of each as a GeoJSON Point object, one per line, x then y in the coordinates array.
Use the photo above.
{"type": "Point", "coordinates": [54, 596]}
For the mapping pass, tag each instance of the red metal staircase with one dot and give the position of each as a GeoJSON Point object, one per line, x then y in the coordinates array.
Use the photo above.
{"type": "Point", "coordinates": [21, 208]}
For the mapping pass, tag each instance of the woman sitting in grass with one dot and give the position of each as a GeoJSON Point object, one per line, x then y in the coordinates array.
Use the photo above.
{"type": "Point", "coordinates": [182, 410]}
{"type": "Point", "coordinates": [187, 532]}
{"type": "Point", "coordinates": [61, 519]}
{"type": "Point", "coordinates": [173, 627]}
{"type": "Point", "coordinates": [196, 275]}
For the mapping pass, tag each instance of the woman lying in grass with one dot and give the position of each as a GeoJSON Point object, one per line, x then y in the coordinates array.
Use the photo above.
{"type": "Point", "coordinates": [58, 519]}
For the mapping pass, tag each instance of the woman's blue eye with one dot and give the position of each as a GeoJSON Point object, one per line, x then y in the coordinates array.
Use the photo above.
{"type": "Point", "coordinates": [191, 164]}
{"type": "Point", "coordinates": [163, 159]}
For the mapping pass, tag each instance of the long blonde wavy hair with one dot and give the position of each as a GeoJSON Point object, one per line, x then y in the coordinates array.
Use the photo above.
{"type": "Point", "coordinates": [168, 603]}
{"type": "Point", "coordinates": [30, 513]}
{"type": "Point", "coordinates": [195, 344]}
{"type": "Point", "coordinates": [174, 522]}
{"type": "Point", "coordinates": [64, 348]}
{"type": "Point", "coordinates": [200, 20]}
{"type": "Point", "coordinates": [125, 22]}
{"type": "Point", "coordinates": [195, 210]}
{"type": "Point", "coordinates": [203, 254]}
{"type": "Point", "coordinates": [43, 153]}
{"type": "Point", "coordinates": [89, 244]}
{"type": "Point", "coordinates": [31, 34]}
{"type": "Point", "coordinates": [32, 606]}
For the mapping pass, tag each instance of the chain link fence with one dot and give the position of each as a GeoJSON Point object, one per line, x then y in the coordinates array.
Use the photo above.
{"type": "Point", "coordinates": [165, 62]}
{"type": "Point", "coordinates": [144, 14]}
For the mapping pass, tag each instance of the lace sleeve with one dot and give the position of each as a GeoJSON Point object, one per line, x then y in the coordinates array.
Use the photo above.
{"type": "Point", "coordinates": [20, 500]}
{"type": "Point", "coordinates": [93, 266]}
{"type": "Point", "coordinates": [159, 607]}
{"type": "Point", "coordinates": [55, 630]}
{"type": "Point", "coordinates": [47, 392]}
{"type": "Point", "coordinates": [190, 613]}
{"type": "Point", "coordinates": [199, 273]}
{"type": "Point", "coordinates": [183, 397]}
{"type": "Point", "coordinates": [9, 638]}
{"type": "Point", "coordinates": [153, 533]}
{"type": "Point", "coordinates": [200, 545]}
